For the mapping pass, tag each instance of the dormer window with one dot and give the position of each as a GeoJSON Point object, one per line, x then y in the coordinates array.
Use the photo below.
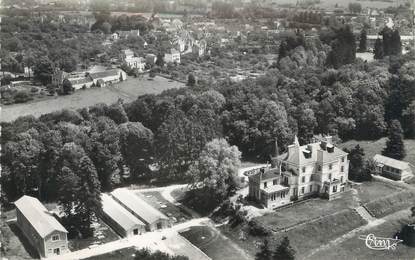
{"type": "Point", "coordinates": [303, 169]}
{"type": "Point", "coordinates": [265, 185]}
{"type": "Point", "coordinates": [330, 166]}
{"type": "Point", "coordinates": [319, 168]}
{"type": "Point", "coordinates": [55, 237]}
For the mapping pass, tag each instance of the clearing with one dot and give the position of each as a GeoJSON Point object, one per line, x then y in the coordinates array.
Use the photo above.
{"type": "Point", "coordinates": [214, 244]}
{"type": "Point", "coordinates": [375, 147]}
{"type": "Point", "coordinates": [127, 90]}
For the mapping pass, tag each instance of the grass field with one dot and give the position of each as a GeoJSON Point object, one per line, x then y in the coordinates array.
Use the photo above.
{"type": "Point", "coordinates": [375, 147]}
{"type": "Point", "coordinates": [303, 238]}
{"type": "Point", "coordinates": [213, 243]}
{"type": "Point", "coordinates": [317, 208]}
{"type": "Point", "coordinates": [370, 191]}
{"type": "Point", "coordinates": [392, 203]}
{"type": "Point", "coordinates": [127, 90]}
{"type": "Point", "coordinates": [14, 245]}
{"type": "Point", "coordinates": [354, 248]}
{"type": "Point", "coordinates": [155, 199]}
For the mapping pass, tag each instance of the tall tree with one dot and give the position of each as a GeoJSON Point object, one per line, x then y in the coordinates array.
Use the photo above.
{"type": "Point", "coordinates": [395, 147]}
{"type": "Point", "coordinates": [356, 157]}
{"type": "Point", "coordinates": [408, 120]}
{"type": "Point", "coordinates": [216, 169]}
{"type": "Point", "coordinates": [363, 41]}
{"type": "Point", "coordinates": [136, 143]}
{"type": "Point", "coordinates": [88, 196]}
{"type": "Point", "coordinates": [264, 253]}
{"type": "Point", "coordinates": [284, 251]}
{"type": "Point", "coordinates": [378, 50]}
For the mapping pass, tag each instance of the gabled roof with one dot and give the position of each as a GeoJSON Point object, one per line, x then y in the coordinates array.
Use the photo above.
{"type": "Point", "coordinates": [103, 74]}
{"type": "Point", "coordinates": [296, 154]}
{"type": "Point", "coordinates": [118, 213]}
{"type": "Point", "coordinates": [39, 217]}
{"type": "Point", "coordinates": [136, 204]}
{"type": "Point", "coordinates": [401, 165]}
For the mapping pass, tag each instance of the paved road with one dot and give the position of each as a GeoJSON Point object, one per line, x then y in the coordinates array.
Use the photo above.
{"type": "Point", "coordinates": [173, 244]}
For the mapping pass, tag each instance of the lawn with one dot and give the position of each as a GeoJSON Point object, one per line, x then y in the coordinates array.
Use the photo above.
{"type": "Point", "coordinates": [214, 244]}
{"type": "Point", "coordinates": [391, 203]}
{"type": "Point", "coordinates": [176, 213]}
{"type": "Point", "coordinates": [14, 245]}
{"type": "Point", "coordinates": [303, 238]}
{"type": "Point", "coordinates": [354, 248]}
{"type": "Point", "coordinates": [305, 211]}
{"type": "Point", "coordinates": [102, 234]}
{"type": "Point", "coordinates": [127, 90]}
{"type": "Point", "coordinates": [125, 254]}
{"type": "Point", "coordinates": [375, 147]}
{"type": "Point", "coordinates": [370, 191]}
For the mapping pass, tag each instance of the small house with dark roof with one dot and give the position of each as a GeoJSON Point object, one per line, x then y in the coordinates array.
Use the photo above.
{"type": "Point", "coordinates": [40, 227]}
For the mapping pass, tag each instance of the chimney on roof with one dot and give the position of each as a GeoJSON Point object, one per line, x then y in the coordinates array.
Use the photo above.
{"type": "Point", "coordinates": [329, 139]}
{"type": "Point", "coordinates": [323, 144]}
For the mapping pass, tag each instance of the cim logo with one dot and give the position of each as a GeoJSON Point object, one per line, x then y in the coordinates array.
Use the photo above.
{"type": "Point", "coordinates": [380, 243]}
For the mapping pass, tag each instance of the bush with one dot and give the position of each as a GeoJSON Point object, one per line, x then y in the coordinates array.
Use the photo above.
{"type": "Point", "coordinates": [256, 229]}
{"type": "Point", "coordinates": [34, 90]}
{"type": "Point", "coordinates": [22, 97]}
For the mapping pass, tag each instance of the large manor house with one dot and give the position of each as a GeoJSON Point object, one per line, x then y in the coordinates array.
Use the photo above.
{"type": "Point", "coordinates": [315, 169]}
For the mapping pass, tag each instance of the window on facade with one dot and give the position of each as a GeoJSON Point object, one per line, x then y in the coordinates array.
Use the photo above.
{"type": "Point", "coordinates": [275, 182]}
{"type": "Point", "coordinates": [303, 169]}
{"type": "Point", "coordinates": [302, 190]}
{"type": "Point", "coordinates": [265, 185]}
{"type": "Point", "coordinates": [341, 178]}
{"type": "Point", "coordinates": [330, 166]}
{"type": "Point", "coordinates": [55, 237]}
{"type": "Point", "coordinates": [329, 176]}
{"type": "Point", "coordinates": [342, 159]}
{"type": "Point", "coordinates": [342, 169]}
{"type": "Point", "coordinates": [335, 188]}
{"type": "Point", "coordinates": [311, 188]}
{"type": "Point", "coordinates": [303, 179]}
{"type": "Point", "coordinates": [319, 168]}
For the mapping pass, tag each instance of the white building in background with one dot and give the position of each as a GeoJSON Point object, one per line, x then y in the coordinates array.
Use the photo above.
{"type": "Point", "coordinates": [172, 56]}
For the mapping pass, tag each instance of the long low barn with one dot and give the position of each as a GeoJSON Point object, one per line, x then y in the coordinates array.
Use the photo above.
{"type": "Point", "coordinates": [40, 227]}
{"type": "Point", "coordinates": [153, 218]}
{"type": "Point", "coordinates": [120, 219]}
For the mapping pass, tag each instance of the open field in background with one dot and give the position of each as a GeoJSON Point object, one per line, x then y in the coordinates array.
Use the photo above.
{"type": "Point", "coordinates": [373, 147]}
{"type": "Point", "coordinates": [345, 3]}
{"type": "Point", "coordinates": [354, 248]}
{"type": "Point", "coordinates": [127, 90]}
{"type": "Point", "coordinates": [174, 212]}
{"type": "Point", "coordinates": [213, 243]}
